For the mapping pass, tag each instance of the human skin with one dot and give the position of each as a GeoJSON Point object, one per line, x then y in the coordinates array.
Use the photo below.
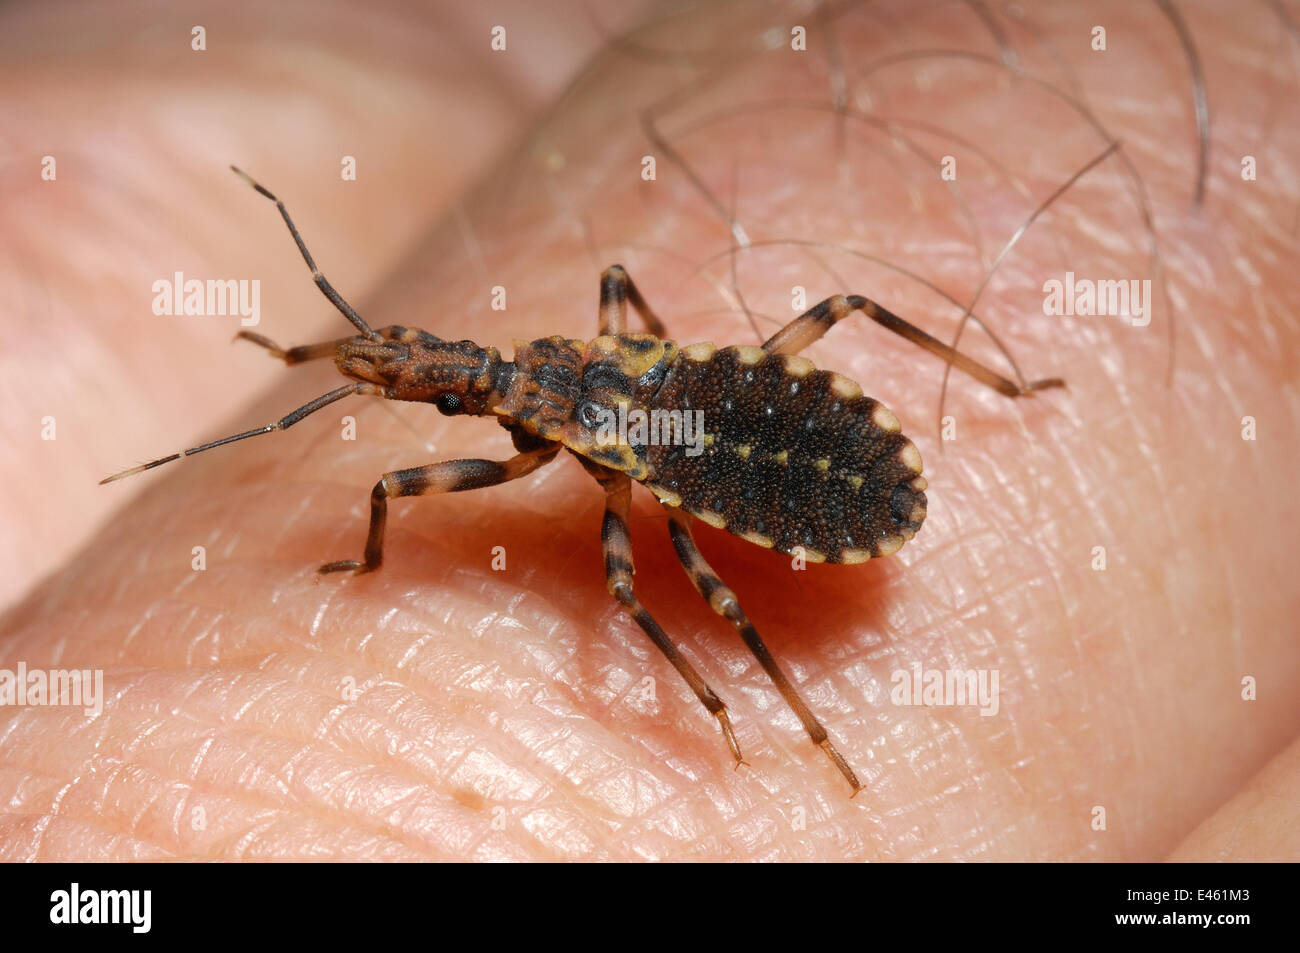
{"type": "Point", "coordinates": [441, 709]}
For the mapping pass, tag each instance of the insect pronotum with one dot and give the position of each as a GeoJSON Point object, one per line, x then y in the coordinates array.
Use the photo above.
{"type": "Point", "coordinates": [791, 457]}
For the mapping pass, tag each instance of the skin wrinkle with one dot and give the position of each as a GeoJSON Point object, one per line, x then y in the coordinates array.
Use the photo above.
{"type": "Point", "coordinates": [290, 736]}
{"type": "Point", "coordinates": [954, 825]}
{"type": "Point", "coordinates": [317, 807]}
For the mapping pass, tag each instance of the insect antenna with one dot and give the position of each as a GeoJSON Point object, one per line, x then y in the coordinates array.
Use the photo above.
{"type": "Point", "coordinates": [326, 288]}
{"type": "Point", "coordinates": [284, 423]}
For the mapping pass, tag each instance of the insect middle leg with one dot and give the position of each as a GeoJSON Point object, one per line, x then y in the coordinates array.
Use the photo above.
{"type": "Point", "coordinates": [616, 290]}
{"type": "Point", "coordinates": [617, 545]}
{"type": "Point", "coordinates": [450, 476]}
{"type": "Point", "coordinates": [723, 601]}
{"type": "Point", "coordinates": [820, 318]}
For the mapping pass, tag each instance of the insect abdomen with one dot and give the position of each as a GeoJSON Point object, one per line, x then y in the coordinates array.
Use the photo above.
{"type": "Point", "coordinates": [791, 457]}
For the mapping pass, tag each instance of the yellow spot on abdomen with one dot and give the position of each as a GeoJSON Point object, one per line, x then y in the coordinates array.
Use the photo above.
{"type": "Point", "coordinates": [843, 387]}
{"type": "Point", "coordinates": [666, 496]}
{"type": "Point", "coordinates": [910, 456]}
{"type": "Point", "coordinates": [889, 545]}
{"type": "Point", "coordinates": [884, 418]}
{"type": "Point", "coordinates": [797, 366]}
{"type": "Point", "coordinates": [716, 520]}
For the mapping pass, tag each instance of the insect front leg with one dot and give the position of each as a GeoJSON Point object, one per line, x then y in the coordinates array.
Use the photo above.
{"type": "Point", "coordinates": [450, 476]}
{"type": "Point", "coordinates": [820, 318]}
{"type": "Point", "coordinates": [617, 545]}
{"type": "Point", "coordinates": [723, 601]}
{"type": "Point", "coordinates": [314, 352]}
{"type": "Point", "coordinates": [616, 290]}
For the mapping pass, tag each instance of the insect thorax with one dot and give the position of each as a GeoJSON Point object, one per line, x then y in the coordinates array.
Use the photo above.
{"type": "Point", "coordinates": [582, 393]}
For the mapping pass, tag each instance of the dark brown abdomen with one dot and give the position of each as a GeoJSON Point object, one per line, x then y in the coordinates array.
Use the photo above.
{"type": "Point", "coordinates": [792, 457]}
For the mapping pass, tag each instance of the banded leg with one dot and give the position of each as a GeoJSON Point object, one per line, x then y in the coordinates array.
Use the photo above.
{"type": "Point", "coordinates": [325, 287]}
{"type": "Point", "coordinates": [616, 290]}
{"type": "Point", "coordinates": [617, 545]}
{"type": "Point", "coordinates": [723, 601]}
{"type": "Point", "coordinates": [450, 476]}
{"type": "Point", "coordinates": [820, 318]}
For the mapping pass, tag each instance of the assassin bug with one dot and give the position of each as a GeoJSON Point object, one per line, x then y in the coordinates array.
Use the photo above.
{"type": "Point", "coordinates": [793, 458]}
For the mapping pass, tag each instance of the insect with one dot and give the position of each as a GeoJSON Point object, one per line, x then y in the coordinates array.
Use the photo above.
{"type": "Point", "coordinates": [790, 457]}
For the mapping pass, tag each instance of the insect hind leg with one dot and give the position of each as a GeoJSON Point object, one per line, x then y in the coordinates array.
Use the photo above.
{"type": "Point", "coordinates": [820, 318]}
{"type": "Point", "coordinates": [723, 601]}
{"type": "Point", "coordinates": [617, 545]}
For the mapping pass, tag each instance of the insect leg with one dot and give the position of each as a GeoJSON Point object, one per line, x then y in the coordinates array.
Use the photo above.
{"type": "Point", "coordinates": [616, 290]}
{"type": "Point", "coordinates": [617, 544]}
{"type": "Point", "coordinates": [723, 601]}
{"type": "Point", "coordinates": [819, 319]}
{"type": "Point", "coordinates": [450, 476]}
{"type": "Point", "coordinates": [312, 352]}
{"type": "Point", "coordinates": [326, 288]}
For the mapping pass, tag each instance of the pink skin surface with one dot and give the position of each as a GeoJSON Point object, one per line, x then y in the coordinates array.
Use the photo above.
{"type": "Point", "coordinates": [443, 709]}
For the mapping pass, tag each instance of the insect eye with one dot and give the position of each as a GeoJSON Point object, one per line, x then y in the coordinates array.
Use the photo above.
{"type": "Point", "coordinates": [589, 415]}
{"type": "Point", "coordinates": [449, 404]}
